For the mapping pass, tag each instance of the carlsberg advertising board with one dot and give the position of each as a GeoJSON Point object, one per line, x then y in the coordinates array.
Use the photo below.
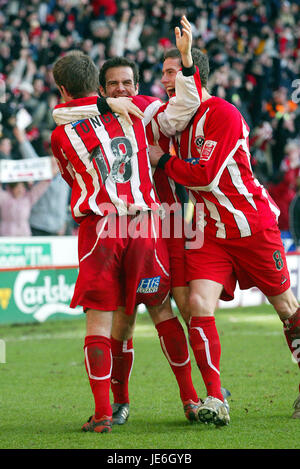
{"type": "Point", "coordinates": [37, 295]}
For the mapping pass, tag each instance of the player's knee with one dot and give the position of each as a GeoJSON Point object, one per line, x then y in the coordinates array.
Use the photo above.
{"type": "Point", "coordinates": [285, 304]}
{"type": "Point", "coordinates": [124, 332]}
{"type": "Point", "coordinates": [160, 313]}
{"type": "Point", "coordinates": [123, 325]}
{"type": "Point", "coordinates": [198, 305]}
{"type": "Point", "coordinates": [184, 309]}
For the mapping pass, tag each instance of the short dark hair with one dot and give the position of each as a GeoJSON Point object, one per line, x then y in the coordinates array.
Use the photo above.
{"type": "Point", "coordinates": [200, 59]}
{"type": "Point", "coordinates": [77, 72]}
{"type": "Point", "coordinates": [118, 62]}
{"type": "Point", "coordinates": [172, 53]}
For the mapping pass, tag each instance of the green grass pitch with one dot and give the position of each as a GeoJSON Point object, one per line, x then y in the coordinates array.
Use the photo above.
{"type": "Point", "coordinates": [45, 395]}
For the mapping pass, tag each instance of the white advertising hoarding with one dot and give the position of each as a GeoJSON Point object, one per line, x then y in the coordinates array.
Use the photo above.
{"type": "Point", "coordinates": [31, 169]}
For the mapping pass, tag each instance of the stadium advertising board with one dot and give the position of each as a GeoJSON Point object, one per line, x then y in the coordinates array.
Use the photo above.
{"type": "Point", "coordinates": [37, 295]}
{"type": "Point", "coordinates": [38, 251]}
{"type": "Point", "coordinates": [23, 254]}
{"type": "Point", "coordinates": [37, 278]}
{"type": "Point", "coordinates": [31, 169]}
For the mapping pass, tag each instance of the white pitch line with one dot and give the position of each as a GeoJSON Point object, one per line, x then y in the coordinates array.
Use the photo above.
{"type": "Point", "coordinates": [140, 331]}
{"type": "Point", "coordinates": [254, 318]}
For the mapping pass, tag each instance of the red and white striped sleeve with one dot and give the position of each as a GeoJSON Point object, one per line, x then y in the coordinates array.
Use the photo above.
{"type": "Point", "coordinates": [64, 164]}
{"type": "Point", "coordinates": [225, 132]}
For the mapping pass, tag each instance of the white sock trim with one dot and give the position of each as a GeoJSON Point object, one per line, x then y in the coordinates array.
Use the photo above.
{"type": "Point", "coordinates": [207, 351]}
{"type": "Point", "coordinates": [168, 356]}
{"type": "Point", "coordinates": [98, 378]}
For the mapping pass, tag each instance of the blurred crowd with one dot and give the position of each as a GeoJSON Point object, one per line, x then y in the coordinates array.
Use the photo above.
{"type": "Point", "coordinates": [254, 52]}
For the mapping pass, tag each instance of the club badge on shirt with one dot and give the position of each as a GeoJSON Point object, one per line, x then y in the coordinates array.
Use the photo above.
{"type": "Point", "coordinates": [199, 140]}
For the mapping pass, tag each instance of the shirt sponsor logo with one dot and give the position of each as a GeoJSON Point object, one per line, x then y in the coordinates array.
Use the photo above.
{"type": "Point", "coordinates": [73, 124]}
{"type": "Point", "coordinates": [148, 285]}
{"type": "Point", "coordinates": [207, 150]}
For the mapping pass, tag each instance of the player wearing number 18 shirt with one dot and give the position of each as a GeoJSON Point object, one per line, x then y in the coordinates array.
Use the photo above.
{"type": "Point", "coordinates": [105, 161]}
{"type": "Point", "coordinates": [109, 171]}
{"type": "Point", "coordinates": [108, 168]}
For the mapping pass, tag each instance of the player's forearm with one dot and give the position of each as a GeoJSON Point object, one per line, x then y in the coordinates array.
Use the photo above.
{"type": "Point", "coordinates": [187, 60]}
{"type": "Point", "coordinates": [190, 175]}
{"type": "Point", "coordinates": [103, 105]}
{"type": "Point", "coordinates": [27, 150]}
{"type": "Point", "coordinates": [96, 105]}
{"type": "Point", "coordinates": [181, 108]}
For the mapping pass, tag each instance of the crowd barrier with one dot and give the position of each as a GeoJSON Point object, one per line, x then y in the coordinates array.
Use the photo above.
{"type": "Point", "coordinates": [38, 275]}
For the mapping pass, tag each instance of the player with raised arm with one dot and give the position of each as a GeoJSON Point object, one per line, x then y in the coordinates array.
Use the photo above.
{"type": "Point", "coordinates": [242, 242]}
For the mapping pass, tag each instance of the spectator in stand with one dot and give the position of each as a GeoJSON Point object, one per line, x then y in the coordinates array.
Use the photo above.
{"type": "Point", "coordinates": [15, 206]}
{"type": "Point", "coordinates": [49, 213]}
{"type": "Point", "coordinates": [294, 214]}
{"type": "Point", "coordinates": [284, 130]}
{"type": "Point", "coordinates": [260, 142]}
{"type": "Point", "coordinates": [18, 198]}
{"type": "Point", "coordinates": [283, 189]}
{"type": "Point", "coordinates": [5, 148]}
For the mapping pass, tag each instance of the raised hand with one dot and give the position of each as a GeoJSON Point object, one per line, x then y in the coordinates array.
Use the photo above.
{"type": "Point", "coordinates": [184, 40]}
{"type": "Point", "coordinates": [124, 106]}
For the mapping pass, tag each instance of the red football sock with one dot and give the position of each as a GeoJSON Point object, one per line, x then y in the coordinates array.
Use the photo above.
{"type": "Point", "coordinates": [205, 342]}
{"type": "Point", "coordinates": [123, 357]}
{"type": "Point", "coordinates": [98, 366]}
{"type": "Point", "coordinates": [174, 345]}
{"type": "Point", "coordinates": [291, 328]}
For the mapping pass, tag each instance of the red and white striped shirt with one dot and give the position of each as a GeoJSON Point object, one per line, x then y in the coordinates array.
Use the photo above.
{"type": "Point", "coordinates": [235, 203]}
{"type": "Point", "coordinates": [105, 160]}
